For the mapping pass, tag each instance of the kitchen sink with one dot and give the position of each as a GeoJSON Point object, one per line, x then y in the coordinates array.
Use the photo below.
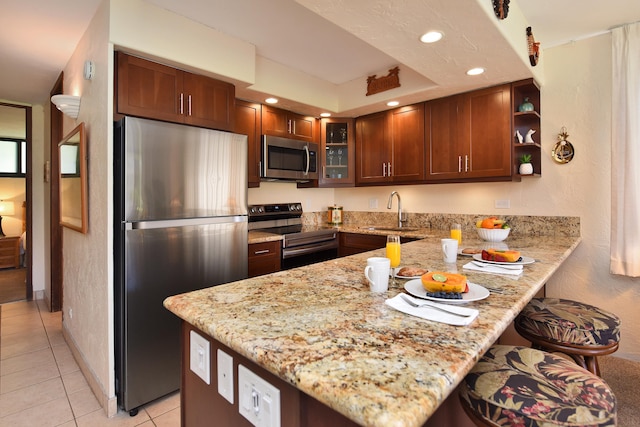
{"type": "Point", "coordinates": [375, 228]}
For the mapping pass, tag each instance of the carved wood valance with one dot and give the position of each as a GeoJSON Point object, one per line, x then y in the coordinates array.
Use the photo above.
{"type": "Point", "coordinates": [380, 84]}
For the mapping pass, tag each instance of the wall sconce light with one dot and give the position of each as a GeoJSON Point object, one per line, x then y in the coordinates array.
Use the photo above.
{"type": "Point", "coordinates": [6, 208]}
{"type": "Point", "coordinates": [68, 104]}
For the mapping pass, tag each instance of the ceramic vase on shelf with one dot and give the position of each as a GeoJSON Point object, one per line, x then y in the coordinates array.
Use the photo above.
{"type": "Point", "coordinates": [526, 105]}
{"type": "Point", "coordinates": [526, 169]}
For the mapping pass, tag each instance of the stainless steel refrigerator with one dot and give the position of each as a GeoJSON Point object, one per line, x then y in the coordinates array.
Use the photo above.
{"type": "Point", "coordinates": [180, 213]}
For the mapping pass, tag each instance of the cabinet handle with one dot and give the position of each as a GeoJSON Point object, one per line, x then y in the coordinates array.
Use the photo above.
{"type": "Point", "coordinates": [384, 169]}
{"type": "Point", "coordinates": [189, 105]}
{"type": "Point", "coordinates": [181, 103]}
{"type": "Point", "coordinates": [288, 126]}
{"type": "Point", "coordinates": [294, 126]}
{"type": "Point", "coordinates": [389, 168]}
{"type": "Point", "coordinates": [466, 163]}
{"type": "Point", "coordinates": [459, 164]}
{"type": "Point", "coordinates": [264, 251]}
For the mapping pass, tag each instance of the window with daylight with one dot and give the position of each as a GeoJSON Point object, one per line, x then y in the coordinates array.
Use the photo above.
{"type": "Point", "coordinates": [13, 158]}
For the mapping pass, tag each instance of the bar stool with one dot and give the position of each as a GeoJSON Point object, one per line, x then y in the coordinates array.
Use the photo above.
{"type": "Point", "coordinates": [578, 330]}
{"type": "Point", "coordinates": [522, 386]}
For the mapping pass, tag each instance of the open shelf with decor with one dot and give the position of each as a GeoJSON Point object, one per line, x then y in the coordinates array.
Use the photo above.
{"type": "Point", "coordinates": [525, 95]}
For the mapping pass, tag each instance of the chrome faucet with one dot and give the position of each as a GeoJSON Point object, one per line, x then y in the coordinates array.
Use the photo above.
{"type": "Point", "coordinates": [399, 206]}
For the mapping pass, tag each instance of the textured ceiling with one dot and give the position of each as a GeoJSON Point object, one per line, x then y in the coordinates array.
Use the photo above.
{"type": "Point", "coordinates": [335, 40]}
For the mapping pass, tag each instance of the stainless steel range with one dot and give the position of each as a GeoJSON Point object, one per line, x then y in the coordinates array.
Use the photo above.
{"type": "Point", "coordinates": [301, 245]}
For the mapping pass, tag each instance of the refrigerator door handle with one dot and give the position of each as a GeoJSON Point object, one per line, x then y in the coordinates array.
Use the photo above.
{"type": "Point", "coordinates": [147, 225]}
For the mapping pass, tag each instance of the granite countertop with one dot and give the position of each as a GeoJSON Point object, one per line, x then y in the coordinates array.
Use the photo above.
{"type": "Point", "coordinates": [321, 330]}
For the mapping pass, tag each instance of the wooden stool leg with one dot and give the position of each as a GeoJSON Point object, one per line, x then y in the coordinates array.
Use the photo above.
{"type": "Point", "coordinates": [592, 365]}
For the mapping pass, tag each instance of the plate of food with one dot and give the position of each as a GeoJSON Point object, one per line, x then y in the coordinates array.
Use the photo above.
{"type": "Point", "coordinates": [475, 293]}
{"type": "Point", "coordinates": [410, 272]}
{"type": "Point", "coordinates": [497, 256]}
{"type": "Point", "coordinates": [469, 251]}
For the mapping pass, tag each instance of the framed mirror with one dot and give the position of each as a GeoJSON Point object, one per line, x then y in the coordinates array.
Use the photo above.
{"type": "Point", "coordinates": [72, 151]}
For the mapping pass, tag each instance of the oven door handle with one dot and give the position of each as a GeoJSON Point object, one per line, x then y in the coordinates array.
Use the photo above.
{"type": "Point", "coordinates": [309, 249]}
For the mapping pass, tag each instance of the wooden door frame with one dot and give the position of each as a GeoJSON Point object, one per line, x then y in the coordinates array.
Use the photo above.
{"type": "Point", "coordinates": [55, 232]}
{"type": "Point", "coordinates": [28, 123]}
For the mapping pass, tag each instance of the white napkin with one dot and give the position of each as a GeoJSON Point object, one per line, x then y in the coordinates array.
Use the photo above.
{"type": "Point", "coordinates": [515, 270]}
{"type": "Point", "coordinates": [431, 313]}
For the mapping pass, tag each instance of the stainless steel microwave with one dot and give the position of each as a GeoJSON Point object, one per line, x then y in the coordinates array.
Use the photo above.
{"type": "Point", "coordinates": [288, 159]}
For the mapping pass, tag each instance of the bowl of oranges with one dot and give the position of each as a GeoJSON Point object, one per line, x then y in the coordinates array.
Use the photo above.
{"type": "Point", "coordinates": [492, 229]}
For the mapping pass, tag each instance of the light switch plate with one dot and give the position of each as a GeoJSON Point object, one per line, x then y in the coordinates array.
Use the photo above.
{"type": "Point", "coordinates": [225, 375]}
{"type": "Point", "coordinates": [200, 356]}
{"type": "Point", "coordinates": [259, 401]}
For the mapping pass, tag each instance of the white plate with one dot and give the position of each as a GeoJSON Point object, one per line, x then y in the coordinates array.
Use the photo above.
{"type": "Point", "coordinates": [524, 261]}
{"type": "Point", "coordinates": [463, 254]}
{"type": "Point", "coordinates": [476, 293]}
{"type": "Point", "coordinates": [405, 277]}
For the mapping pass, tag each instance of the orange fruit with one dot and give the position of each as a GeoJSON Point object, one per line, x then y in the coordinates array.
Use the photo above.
{"type": "Point", "coordinates": [487, 223]}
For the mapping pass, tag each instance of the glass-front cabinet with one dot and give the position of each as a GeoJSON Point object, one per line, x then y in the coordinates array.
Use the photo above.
{"type": "Point", "coordinates": [337, 139]}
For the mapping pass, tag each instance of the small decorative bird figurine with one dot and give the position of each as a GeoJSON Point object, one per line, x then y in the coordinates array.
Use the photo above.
{"type": "Point", "coordinates": [519, 136]}
{"type": "Point", "coordinates": [528, 137]}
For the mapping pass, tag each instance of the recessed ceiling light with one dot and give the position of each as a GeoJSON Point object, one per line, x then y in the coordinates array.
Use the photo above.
{"type": "Point", "coordinates": [271, 101]}
{"type": "Point", "coordinates": [393, 103]}
{"type": "Point", "coordinates": [325, 114]}
{"type": "Point", "coordinates": [475, 71]}
{"type": "Point", "coordinates": [431, 37]}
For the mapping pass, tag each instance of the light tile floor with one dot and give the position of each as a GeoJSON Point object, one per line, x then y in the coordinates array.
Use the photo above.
{"type": "Point", "coordinates": [42, 385]}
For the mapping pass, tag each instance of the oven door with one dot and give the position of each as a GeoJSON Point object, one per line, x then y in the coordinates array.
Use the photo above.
{"type": "Point", "coordinates": [288, 159]}
{"type": "Point", "coordinates": [308, 248]}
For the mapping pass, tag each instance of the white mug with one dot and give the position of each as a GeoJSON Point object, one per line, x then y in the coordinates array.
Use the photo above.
{"type": "Point", "coordinates": [450, 250]}
{"type": "Point", "coordinates": [377, 273]}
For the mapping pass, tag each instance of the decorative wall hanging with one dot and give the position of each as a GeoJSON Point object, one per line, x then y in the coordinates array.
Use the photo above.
{"type": "Point", "coordinates": [501, 8]}
{"type": "Point", "coordinates": [563, 151]}
{"type": "Point", "coordinates": [380, 84]}
{"type": "Point", "coordinates": [533, 47]}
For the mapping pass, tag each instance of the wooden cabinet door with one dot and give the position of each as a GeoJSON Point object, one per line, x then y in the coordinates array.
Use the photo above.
{"type": "Point", "coordinates": [373, 154]}
{"type": "Point", "coordinates": [286, 124]}
{"type": "Point", "coordinates": [302, 127]}
{"type": "Point", "coordinates": [489, 125]}
{"type": "Point", "coordinates": [208, 102]}
{"type": "Point", "coordinates": [443, 139]}
{"type": "Point", "coordinates": [148, 89]}
{"type": "Point", "coordinates": [274, 121]}
{"type": "Point", "coordinates": [406, 128]}
{"type": "Point", "coordinates": [248, 119]}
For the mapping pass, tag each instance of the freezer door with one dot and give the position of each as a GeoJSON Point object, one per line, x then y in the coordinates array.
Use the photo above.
{"type": "Point", "coordinates": [159, 262]}
{"type": "Point", "coordinates": [176, 171]}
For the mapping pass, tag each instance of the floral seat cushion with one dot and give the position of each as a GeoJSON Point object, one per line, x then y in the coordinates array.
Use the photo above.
{"type": "Point", "coordinates": [569, 322]}
{"type": "Point", "coordinates": [524, 387]}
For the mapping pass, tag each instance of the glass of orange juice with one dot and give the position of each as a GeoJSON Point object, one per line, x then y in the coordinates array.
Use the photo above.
{"type": "Point", "coordinates": [456, 233]}
{"type": "Point", "coordinates": [393, 253]}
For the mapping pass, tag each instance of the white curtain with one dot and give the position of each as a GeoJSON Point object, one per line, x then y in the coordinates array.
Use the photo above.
{"type": "Point", "coordinates": [625, 154]}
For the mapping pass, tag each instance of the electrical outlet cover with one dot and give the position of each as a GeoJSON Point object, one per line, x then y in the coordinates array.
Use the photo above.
{"type": "Point", "coordinates": [225, 375]}
{"type": "Point", "coordinates": [199, 356]}
{"type": "Point", "coordinates": [259, 400]}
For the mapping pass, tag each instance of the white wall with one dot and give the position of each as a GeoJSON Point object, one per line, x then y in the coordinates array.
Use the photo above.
{"type": "Point", "coordinates": [87, 258]}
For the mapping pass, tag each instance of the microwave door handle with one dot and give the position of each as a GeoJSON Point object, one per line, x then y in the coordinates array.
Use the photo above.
{"type": "Point", "coordinates": [306, 149]}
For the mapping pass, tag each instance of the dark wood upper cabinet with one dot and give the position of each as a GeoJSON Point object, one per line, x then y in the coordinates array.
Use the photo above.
{"type": "Point", "coordinates": [147, 89]}
{"type": "Point", "coordinates": [407, 143]}
{"type": "Point", "coordinates": [248, 119]}
{"type": "Point", "coordinates": [286, 124]}
{"type": "Point", "coordinates": [469, 135]}
{"type": "Point", "coordinates": [390, 146]}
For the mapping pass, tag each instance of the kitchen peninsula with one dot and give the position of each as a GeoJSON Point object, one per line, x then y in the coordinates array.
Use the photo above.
{"type": "Point", "coordinates": [335, 350]}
